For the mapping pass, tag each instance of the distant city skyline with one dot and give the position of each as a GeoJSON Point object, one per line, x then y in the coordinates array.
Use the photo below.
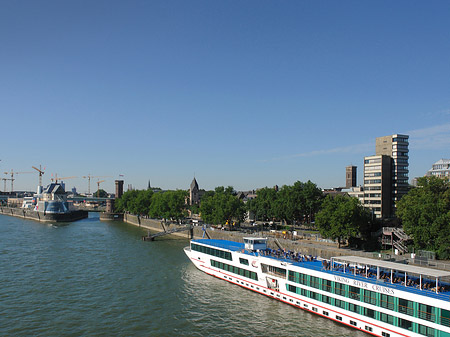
{"type": "Point", "coordinates": [243, 94]}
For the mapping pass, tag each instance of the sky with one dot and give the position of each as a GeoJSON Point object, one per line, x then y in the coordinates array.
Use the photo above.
{"type": "Point", "coordinates": [246, 94]}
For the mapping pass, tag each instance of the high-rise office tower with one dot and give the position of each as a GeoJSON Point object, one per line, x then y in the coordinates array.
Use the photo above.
{"type": "Point", "coordinates": [386, 175]}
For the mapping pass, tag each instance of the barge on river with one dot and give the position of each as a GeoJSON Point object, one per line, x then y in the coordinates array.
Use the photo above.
{"type": "Point", "coordinates": [378, 297]}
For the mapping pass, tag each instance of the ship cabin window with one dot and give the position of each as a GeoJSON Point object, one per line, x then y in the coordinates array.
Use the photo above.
{"type": "Point", "coordinates": [325, 313]}
{"type": "Point", "coordinates": [353, 323]}
{"type": "Point", "coordinates": [354, 293]}
{"type": "Point", "coordinates": [385, 334]}
{"type": "Point", "coordinates": [369, 328]}
{"type": "Point", "coordinates": [243, 261]}
{"type": "Point", "coordinates": [353, 307]}
{"type": "Point", "coordinates": [405, 324]}
{"type": "Point", "coordinates": [369, 313]}
{"type": "Point", "coordinates": [406, 307]}
{"type": "Point", "coordinates": [426, 331]}
{"type": "Point", "coordinates": [315, 282]}
{"type": "Point", "coordinates": [274, 271]}
{"type": "Point", "coordinates": [445, 317]}
{"type": "Point", "coordinates": [426, 312]}
{"type": "Point", "coordinates": [386, 318]}
{"type": "Point", "coordinates": [339, 318]}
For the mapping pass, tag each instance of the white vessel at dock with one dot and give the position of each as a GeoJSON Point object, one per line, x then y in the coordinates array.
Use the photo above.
{"type": "Point", "coordinates": [381, 298]}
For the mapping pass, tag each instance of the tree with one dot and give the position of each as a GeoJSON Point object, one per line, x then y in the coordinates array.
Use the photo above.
{"type": "Point", "coordinates": [298, 202]}
{"type": "Point", "coordinates": [169, 205]}
{"type": "Point", "coordinates": [123, 204]}
{"type": "Point", "coordinates": [425, 215]}
{"type": "Point", "coordinates": [222, 206]}
{"type": "Point", "coordinates": [100, 194]}
{"type": "Point", "coordinates": [341, 218]}
{"type": "Point", "coordinates": [263, 206]}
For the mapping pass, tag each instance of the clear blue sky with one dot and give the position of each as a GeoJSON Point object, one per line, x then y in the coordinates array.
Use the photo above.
{"type": "Point", "coordinates": [241, 93]}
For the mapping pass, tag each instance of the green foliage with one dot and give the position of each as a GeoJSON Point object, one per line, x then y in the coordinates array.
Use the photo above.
{"type": "Point", "coordinates": [296, 203]}
{"type": "Point", "coordinates": [263, 205]}
{"type": "Point", "coordinates": [425, 215]}
{"type": "Point", "coordinates": [100, 194]}
{"type": "Point", "coordinates": [168, 205]}
{"type": "Point", "coordinates": [342, 218]}
{"type": "Point", "coordinates": [222, 206]}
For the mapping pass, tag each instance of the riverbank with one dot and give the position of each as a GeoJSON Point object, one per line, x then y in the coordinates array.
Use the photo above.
{"type": "Point", "coordinates": [307, 247]}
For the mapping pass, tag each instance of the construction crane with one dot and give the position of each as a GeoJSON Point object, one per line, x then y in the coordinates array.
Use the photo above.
{"type": "Point", "coordinates": [98, 187]}
{"type": "Point", "coordinates": [4, 183]}
{"type": "Point", "coordinates": [41, 173]}
{"type": "Point", "coordinates": [89, 177]}
{"type": "Point", "coordinates": [12, 173]}
{"type": "Point", "coordinates": [58, 178]}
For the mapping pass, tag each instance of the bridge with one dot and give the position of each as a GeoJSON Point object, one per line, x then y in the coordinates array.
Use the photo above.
{"type": "Point", "coordinates": [166, 232]}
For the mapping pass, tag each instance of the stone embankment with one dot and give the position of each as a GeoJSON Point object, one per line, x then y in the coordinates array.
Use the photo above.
{"type": "Point", "coordinates": [307, 247]}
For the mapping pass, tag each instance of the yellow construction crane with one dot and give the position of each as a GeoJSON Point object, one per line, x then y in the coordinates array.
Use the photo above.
{"type": "Point", "coordinates": [89, 177]}
{"type": "Point", "coordinates": [41, 173]}
{"type": "Point", "coordinates": [58, 178]}
{"type": "Point", "coordinates": [98, 187]}
{"type": "Point", "coordinates": [12, 173]}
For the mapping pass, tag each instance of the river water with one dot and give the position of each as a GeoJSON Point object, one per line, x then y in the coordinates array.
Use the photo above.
{"type": "Point", "coordinates": [96, 278]}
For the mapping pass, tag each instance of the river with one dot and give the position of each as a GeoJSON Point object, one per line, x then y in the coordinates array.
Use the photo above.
{"type": "Point", "coordinates": [96, 278]}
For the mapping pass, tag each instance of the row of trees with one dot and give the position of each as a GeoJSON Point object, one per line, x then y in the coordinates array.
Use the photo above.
{"type": "Point", "coordinates": [167, 205]}
{"type": "Point", "coordinates": [297, 203]}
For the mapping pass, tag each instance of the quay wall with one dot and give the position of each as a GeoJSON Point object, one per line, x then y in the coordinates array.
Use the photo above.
{"type": "Point", "coordinates": [307, 247]}
{"type": "Point", "coordinates": [41, 216]}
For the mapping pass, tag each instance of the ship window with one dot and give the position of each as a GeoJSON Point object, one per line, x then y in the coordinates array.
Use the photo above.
{"type": "Point", "coordinates": [370, 297]}
{"type": "Point", "coordinates": [243, 261]}
{"type": "Point", "coordinates": [315, 282]}
{"type": "Point", "coordinates": [405, 306]}
{"type": "Point", "coordinates": [426, 312]}
{"type": "Point", "coordinates": [426, 331]}
{"type": "Point", "coordinates": [325, 313]}
{"type": "Point", "coordinates": [386, 318]}
{"type": "Point", "coordinates": [369, 328]}
{"type": "Point", "coordinates": [353, 307]}
{"type": "Point", "coordinates": [369, 312]}
{"type": "Point", "coordinates": [326, 299]}
{"type": "Point", "coordinates": [339, 289]}
{"type": "Point", "coordinates": [339, 318]}
{"type": "Point", "coordinates": [314, 309]}
{"type": "Point", "coordinates": [353, 323]}
{"type": "Point", "coordinates": [445, 317]}
{"type": "Point", "coordinates": [354, 293]}
{"type": "Point", "coordinates": [340, 304]}
{"type": "Point", "coordinates": [326, 285]}
{"type": "Point", "coordinates": [405, 324]}
{"type": "Point", "coordinates": [385, 334]}
{"type": "Point", "coordinates": [272, 270]}
{"type": "Point", "coordinates": [387, 302]}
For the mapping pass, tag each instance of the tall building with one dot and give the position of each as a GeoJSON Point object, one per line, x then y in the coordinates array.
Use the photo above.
{"type": "Point", "coordinates": [377, 185]}
{"type": "Point", "coordinates": [396, 146]}
{"type": "Point", "coordinates": [350, 176]}
{"type": "Point", "coordinates": [386, 175]}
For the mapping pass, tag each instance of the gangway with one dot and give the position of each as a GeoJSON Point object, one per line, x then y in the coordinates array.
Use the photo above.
{"type": "Point", "coordinates": [152, 237]}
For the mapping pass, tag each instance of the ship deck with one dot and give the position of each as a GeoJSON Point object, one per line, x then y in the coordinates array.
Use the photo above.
{"type": "Point", "coordinates": [312, 263]}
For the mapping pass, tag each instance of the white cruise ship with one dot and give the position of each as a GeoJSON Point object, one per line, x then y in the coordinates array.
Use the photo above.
{"type": "Point", "coordinates": [381, 298]}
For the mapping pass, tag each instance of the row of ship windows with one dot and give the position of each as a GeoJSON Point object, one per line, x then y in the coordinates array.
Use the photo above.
{"type": "Point", "coordinates": [212, 251]}
{"type": "Point", "coordinates": [380, 316]}
{"type": "Point", "coordinates": [235, 270]}
{"type": "Point", "coordinates": [396, 304]}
